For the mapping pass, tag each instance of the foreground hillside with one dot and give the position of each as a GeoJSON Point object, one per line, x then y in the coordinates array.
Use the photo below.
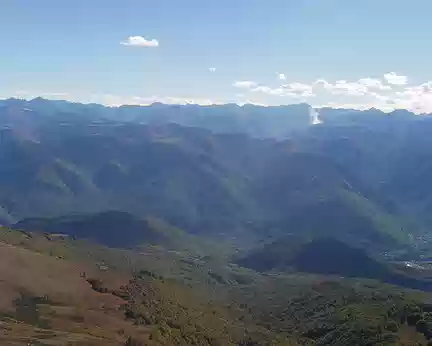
{"type": "Point", "coordinates": [47, 300]}
{"type": "Point", "coordinates": [59, 291]}
{"type": "Point", "coordinates": [73, 299]}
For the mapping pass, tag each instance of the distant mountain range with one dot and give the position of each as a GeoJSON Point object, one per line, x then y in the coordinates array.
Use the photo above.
{"type": "Point", "coordinates": [254, 120]}
{"type": "Point", "coordinates": [257, 121]}
{"type": "Point", "coordinates": [247, 172]}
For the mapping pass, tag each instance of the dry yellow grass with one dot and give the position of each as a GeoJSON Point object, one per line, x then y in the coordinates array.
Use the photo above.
{"type": "Point", "coordinates": [77, 315]}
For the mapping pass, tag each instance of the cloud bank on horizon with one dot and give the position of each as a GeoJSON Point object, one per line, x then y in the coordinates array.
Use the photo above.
{"type": "Point", "coordinates": [388, 93]}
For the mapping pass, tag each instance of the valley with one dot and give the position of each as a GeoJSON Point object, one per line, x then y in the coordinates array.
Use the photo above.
{"type": "Point", "coordinates": [162, 230]}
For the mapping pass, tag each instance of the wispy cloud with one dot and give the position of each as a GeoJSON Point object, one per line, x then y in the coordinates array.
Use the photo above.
{"type": "Point", "coordinates": [361, 87]}
{"type": "Point", "coordinates": [46, 94]}
{"type": "Point", "coordinates": [373, 83]}
{"type": "Point", "coordinates": [343, 87]}
{"type": "Point", "coordinates": [139, 41]}
{"type": "Point", "coordinates": [395, 79]}
{"type": "Point", "coordinates": [298, 87]}
{"type": "Point", "coordinates": [245, 84]}
{"type": "Point", "coordinates": [119, 100]}
{"type": "Point", "coordinates": [269, 91]}
{"type": "Point", "coordinates": [295, 90]}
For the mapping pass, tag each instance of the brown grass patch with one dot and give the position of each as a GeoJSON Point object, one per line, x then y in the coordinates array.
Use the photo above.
{"type": "Point", "coordinates": [71, 310]}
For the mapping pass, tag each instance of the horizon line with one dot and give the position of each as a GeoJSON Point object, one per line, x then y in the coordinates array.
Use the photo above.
{"type": "Point", "coordinates": [216, 104]}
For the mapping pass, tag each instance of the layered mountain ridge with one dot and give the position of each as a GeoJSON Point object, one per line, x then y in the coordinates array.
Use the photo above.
{"type": "Point", "coordinates": [59, 158]}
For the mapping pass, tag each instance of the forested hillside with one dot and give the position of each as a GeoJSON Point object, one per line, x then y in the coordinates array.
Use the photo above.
{"type": "Point", "coordinates": [61, 158]}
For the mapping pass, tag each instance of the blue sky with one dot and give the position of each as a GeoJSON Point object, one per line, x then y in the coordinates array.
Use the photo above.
{"type": "Point", "coordinates": [325, 52]}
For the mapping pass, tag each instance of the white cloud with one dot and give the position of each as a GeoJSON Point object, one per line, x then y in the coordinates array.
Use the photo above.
{"type": "Point", "coordinates": [269, 91]}
{"type": "Point", "coordinates": [27, 94]}
{"type": "Point", "coordinates": [119, 100]}
{"type": "Point", "coordinates": [298, 87]}
{"type": "Point", "coordinates": [299, 90]}
{"type": "Point", "coordinates": [246, 84]}
{"type": "Point", "coordinates": [321, 82]}
{"type": "Point", "coordinates": [395, 79]}
{"type": "Point", "coordinates": [296, 90]}
{"type": "Point", "coordinates": [372, 83]}
{"type": "Point", "coordinates": [362, 87]}
{"type": "Point", "coordinates": [251, 102]}
{"type": "Point", "coordinates": [212, 69]}
{"type": "Point", "coordinates": [417, 91]}
{"type": "Point", "coordinates": [342, 87]}
{"type": "Point", "coordinates": [281, 76]}
{"type": "Point", "coordinates": [341, 105]}
{"type": "Point", "coordinates": [380, 97]}
{"type": "Point", "coordinates": [139, 41]}
{"type": "Point", "coordinates": [415, 98]}
{"type": "Point", "coordinates": [306, 94]}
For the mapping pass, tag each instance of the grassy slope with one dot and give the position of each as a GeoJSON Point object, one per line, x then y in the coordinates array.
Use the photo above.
{"type": "Point", "coordinates": [176, 298]}
{"type": "Point", "coordinates": [44, 298]}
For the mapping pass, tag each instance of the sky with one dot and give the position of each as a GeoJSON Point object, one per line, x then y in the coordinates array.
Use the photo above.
{"type": "Point", "coordinates": [339, 53]}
